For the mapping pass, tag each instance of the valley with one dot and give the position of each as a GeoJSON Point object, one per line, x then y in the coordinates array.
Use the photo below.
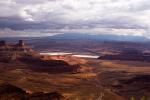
{"type": "Point", "coordinates": [78, 75]}
{"type": "Point", "coordinates": [74, 50]}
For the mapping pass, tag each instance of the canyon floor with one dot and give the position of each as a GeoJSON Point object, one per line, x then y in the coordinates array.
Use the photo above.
{"type": "Point", "coordinates": [98, 79]}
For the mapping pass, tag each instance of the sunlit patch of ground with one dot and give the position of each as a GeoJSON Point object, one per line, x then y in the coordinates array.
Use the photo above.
{"type": "Point", "coordinates": [126, 78]}
{"type": "Point", "coordinates": [116, 70]}
{"type": "Point", "coordinates": [81, 86]}
{"type": "Point", "coordinates": [128, 66]}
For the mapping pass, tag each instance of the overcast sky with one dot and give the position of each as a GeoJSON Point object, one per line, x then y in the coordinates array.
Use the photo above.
{"type": "Point", "coordinates": [49, 17]}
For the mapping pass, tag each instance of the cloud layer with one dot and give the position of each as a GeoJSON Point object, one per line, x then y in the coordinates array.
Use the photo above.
{"type": "Point", "coordinates": [47, 17]}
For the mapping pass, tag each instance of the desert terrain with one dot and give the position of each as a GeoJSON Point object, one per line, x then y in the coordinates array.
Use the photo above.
{"type": "Point", "coordinates": [77, 77]}
{"type": "Point", "coordinates": [74, 49]}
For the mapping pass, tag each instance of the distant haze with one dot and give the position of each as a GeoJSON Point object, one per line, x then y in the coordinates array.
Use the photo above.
{"type": "Point", "coordinates": [99, 37]}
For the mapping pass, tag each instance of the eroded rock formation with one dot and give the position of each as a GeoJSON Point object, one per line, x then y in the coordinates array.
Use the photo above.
{"type": "Point", "coordinates": [10, 92]}
{"type": "Point", "coordinates": [21, 52]}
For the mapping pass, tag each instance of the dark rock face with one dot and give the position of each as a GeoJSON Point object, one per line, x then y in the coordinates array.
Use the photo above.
{"type": "Point", "coordinates": [137, 85]}
{"type": "Point", "coordinates": [7, 88]}
{"type": "Point", "coordinates": [137, 79]}
{"type": "Point", "coordinates": [21, 43]}
{"type": "Point", "coordinates": [50, 66]}
{"type": "Point", "coordinates": [46, 96]}
{"type": "Point", "coordinates": [10, 92]}
{"type": "Point", "coordinates": [128, 55]}
{"type": "Point", "coordinates": [127, 85]}
{"type": "Point", "coordinates": [2, 43]}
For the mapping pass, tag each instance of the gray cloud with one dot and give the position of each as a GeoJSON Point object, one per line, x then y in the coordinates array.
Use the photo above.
{"type": "Point", "coordinates": [57, 16]}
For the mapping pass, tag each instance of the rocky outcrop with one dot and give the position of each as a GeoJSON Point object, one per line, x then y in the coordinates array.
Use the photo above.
{"type": "Point", "coordinates": [49, 66]}
{"type": "Point", "coordinates": [19, 47]}
{"type": "Point", "coordinates": [20, 52]}
{"type": "Point", "coordinates": [127, 85]}
{"type": "Point", "coordinates": [128, 55]}
{"type": "Point", "coordinates": [10, 92]}
{"type": "Point", "coordinates": [45, 96]}
{"type": "Point", "coordinates": [9, 52]}
{"type": "Point", "coordinates": [2, 43]}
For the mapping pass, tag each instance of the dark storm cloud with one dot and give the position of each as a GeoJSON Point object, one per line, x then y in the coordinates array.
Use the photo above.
{"type": "Point", "coordinates": [17, 23]}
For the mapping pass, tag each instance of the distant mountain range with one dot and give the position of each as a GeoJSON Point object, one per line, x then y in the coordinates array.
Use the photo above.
{"type": "Point", "coordinates": [103, 37]}
{"type": "Point", "coordinates": [83, 36]}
